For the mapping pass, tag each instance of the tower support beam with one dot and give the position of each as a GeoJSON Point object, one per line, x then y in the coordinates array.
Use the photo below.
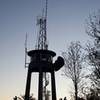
{"type": "Point", "coordinates": [53, 85]}
{"type": "Point", "coordinates": [28, 84]}
{"type": "Point", "coordinates": [40, 89]}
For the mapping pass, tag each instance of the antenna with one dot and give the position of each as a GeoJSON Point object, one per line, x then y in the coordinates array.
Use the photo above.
{"type": "Point", "coordinates": [42, 23]}
{"type": "Point", "coordinates": [46, 9]}
{"type": "Point", "coordinates": [46, 12]}
{"type": "Point", "coordinates": [26, 51]}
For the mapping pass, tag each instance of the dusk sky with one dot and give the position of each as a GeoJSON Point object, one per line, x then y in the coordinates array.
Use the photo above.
{"type": "Point", "coordinates": [66, 22]}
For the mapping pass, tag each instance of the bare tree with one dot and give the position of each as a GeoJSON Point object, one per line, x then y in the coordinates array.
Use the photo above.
{"type": "Point", "coordinates": [93, 27]}
{"type": "Point", "coordinates": [73, 64]}
{"type": "Point", "coordinates": [93, 30]}
{"type": "Point", "coordinates": [93, 95]}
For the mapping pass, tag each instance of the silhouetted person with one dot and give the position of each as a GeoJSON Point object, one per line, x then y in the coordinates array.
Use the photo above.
{"type": "Point", "coordinates": [65, 98]}
{"type": "Point", "coordinates": [60, 99]}
{"type": "Point", "coordinates": [15, 98]}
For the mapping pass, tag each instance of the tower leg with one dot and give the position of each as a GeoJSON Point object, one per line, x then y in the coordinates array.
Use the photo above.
{"type": "Point", "coordinates": [40, 87]}
{"type": "Point", "coordinates": [27, 91]}
{"type": "Point", "coordinates": [53, 85]}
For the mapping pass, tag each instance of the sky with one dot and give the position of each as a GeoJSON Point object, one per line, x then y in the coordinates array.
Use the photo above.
{"type": "Point", "coordinates": [66, 22]}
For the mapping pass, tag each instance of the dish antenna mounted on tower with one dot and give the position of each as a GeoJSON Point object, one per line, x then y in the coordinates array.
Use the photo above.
{"type": "Point", "coordinates": [42, 61]}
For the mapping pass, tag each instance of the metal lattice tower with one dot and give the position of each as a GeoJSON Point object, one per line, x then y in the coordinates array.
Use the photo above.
{"type": "Point", "coordinates": [42, 36]}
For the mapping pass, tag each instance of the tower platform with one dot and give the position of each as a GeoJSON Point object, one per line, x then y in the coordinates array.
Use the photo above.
{"type": "Point", "coordinates": [41, 60]}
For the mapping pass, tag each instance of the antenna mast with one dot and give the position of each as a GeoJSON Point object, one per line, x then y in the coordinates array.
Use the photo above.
{"type": "Point", "coordinates": [26, 51]}
{"type": "Point", "coordinates": [42, 37]}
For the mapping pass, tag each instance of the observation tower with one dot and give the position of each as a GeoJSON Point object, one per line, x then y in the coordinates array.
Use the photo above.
{"type": "Point", "coordinates": [41, 61]}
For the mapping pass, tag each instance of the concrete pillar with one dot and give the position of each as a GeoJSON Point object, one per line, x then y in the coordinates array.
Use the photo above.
{"type": "Point", "coordinates": [40, 87]}
{"type": "Point", "coordinates": [53, 85]}
{"type": "Point", "coordinates": [28, 83]}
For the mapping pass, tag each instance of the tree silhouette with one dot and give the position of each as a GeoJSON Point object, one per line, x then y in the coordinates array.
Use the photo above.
{"type": "Point", "coordinates": [93, 50]}
{"type": "Point", "coordinates": [93, 95]}
{"type": "Point", "coordinates": [73, 65]}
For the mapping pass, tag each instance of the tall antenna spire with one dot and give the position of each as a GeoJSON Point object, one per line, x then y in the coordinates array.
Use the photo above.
{"type": "Point", "coordinates": [46, 9]}
{"type": "Point", "coordinates": [42, 37]}
{"type": "Point", "coordinates": [46, 12]}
